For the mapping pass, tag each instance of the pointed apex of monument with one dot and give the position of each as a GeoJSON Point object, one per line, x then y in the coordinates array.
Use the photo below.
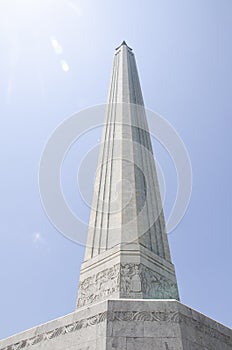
{"type": "Point", "coordinates": [123, 43]}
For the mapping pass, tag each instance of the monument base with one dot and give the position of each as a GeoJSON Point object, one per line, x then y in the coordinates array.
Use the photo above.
{"type": "Point", "coordinates": [126, 325]}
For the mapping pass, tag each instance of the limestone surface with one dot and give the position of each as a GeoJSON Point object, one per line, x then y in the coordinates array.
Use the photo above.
{"type": "Point", "coordinates": [127, 252]}
{"type": "Point", "coordinates": [126, 325]}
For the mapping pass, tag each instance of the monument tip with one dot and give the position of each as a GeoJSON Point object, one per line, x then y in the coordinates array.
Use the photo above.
{"type": "Point", "coordinates": [123, 43]}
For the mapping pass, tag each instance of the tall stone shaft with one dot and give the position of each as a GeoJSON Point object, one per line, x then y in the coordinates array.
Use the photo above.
{"type": "Point", "coordinates": [127, 253]}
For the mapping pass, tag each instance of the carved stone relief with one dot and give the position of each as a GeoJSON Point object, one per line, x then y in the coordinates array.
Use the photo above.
{"type": "Point", "coordinates": [123, 316]}
{"type": "Point", "coordinates": [98, 286]}
{"type": "Point", "coordinates": [131, 280]}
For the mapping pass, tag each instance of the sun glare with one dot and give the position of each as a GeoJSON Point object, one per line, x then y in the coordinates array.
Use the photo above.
{"type": "Point", "coordinates": [56, 46]}
{"type": "Point", "coordinates": [64, 66]}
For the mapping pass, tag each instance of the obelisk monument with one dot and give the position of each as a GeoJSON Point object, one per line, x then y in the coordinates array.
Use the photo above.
{"type": "Point", "coordinates": [127, 297]}
{"type": "Point", "coordinates": [127, 252]}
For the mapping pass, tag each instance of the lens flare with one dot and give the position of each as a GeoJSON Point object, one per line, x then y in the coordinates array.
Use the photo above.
{"type": "Point", "coordinates": [64, 66]}
{"type": "Point", "coordinates": [56, 46]}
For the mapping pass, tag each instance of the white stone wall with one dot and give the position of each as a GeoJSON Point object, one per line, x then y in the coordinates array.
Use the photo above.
{"type": "Point", "coordinates": [126, 325]}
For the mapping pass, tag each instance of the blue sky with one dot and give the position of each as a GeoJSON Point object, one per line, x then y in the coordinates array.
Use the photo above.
{"type": "Point", "coordinates": [56, 59]}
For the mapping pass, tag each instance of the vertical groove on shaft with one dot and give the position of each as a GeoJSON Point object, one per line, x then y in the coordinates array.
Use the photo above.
{"type": "Point", "coordinates": [126, 144]}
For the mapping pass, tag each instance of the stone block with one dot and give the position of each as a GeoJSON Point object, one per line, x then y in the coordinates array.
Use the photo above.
{"type": "Point", "coordinates": [126, 324]}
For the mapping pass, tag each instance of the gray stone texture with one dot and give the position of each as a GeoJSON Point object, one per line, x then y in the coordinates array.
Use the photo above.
{"type": "Point", "coordinates": [129, 271]}
{"type": "Point", "coordinates": [127, 253]}
{"type": "Point", "coordinates": [126, 180]}
{"type": "Point", "coordinates": [127, 325]}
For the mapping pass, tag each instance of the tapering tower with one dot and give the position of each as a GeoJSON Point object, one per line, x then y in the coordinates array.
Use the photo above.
{"type": "Point", "coordinates": [127, 256]}
{"type": "Point", "coordinates": [127, 253]}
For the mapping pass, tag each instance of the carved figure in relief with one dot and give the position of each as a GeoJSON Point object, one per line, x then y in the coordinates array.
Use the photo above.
{"type": "Point", "coordinates": [129, 278]}
{"type": "Point", "coordinates": [114, 278]}
{"type": "Point", "coordinates": [135, 280]}
{"type": "Point", "coordinates": [125, 279]}
{"type": "Point", "coordinates": [149, 281]}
